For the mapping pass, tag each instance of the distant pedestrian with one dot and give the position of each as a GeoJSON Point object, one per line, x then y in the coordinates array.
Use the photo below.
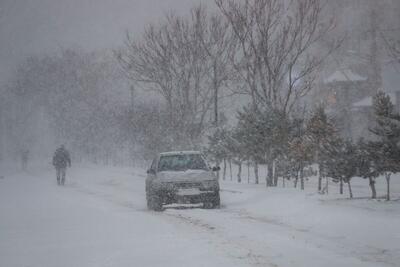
{"type": "Point", "coordinates": [24, 159]}
{"type": "Point", "coordinates": [61, 160]}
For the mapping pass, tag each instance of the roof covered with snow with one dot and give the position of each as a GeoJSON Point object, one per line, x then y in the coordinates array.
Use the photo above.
{"type": "Point", "coordinates": [345, 75]}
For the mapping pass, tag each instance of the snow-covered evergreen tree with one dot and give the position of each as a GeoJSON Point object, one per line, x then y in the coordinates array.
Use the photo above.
{"type": "Point", "coordinates": [249, 124]}
{"type": "Point", "coordinates": [364, 164]}
{"type": "Point", "coordinates": [322, 132]}
{"type": "Point", "coordinates": [218, 147]}
{"type": "Point", "coordinates": [386, 150]}
{"type": "Point", "coordinates": [342, 164]}
{"type": "Point", "coordinates": [301, 154]}
{"type": "Point", "coordinates": [265, 135]}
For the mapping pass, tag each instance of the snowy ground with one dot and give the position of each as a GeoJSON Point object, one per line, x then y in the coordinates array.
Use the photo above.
{"type": "Point", "coordinates": [99, 218]}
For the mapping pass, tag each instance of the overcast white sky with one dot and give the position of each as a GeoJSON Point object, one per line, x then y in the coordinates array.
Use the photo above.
{"type": "Point", "coordinates": [39, 26]}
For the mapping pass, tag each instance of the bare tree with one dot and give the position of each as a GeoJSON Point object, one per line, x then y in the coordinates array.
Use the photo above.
{"type": "Point", "coordinates": [275, 40]}
{"type": "Point", "coordinates": [392, 46]}
{"type": "Point", "coordinates": [218, 44]}
{"type": "Point", "coordinates": [183, 60]}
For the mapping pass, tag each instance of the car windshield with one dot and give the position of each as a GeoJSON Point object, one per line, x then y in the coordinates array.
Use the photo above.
{"type": "Point", "coordinates": [182, 162]}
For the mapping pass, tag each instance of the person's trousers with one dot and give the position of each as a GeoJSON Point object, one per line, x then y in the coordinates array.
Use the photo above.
{"type": "Point", "coordinates": [61, 175]}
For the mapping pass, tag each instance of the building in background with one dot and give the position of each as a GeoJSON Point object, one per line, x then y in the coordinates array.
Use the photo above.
{"type": "Point", "coordinates": [362, 65]}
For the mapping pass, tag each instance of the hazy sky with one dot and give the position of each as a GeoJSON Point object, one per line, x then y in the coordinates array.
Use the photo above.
{"type": "Point", "coordinates": [40, 26]}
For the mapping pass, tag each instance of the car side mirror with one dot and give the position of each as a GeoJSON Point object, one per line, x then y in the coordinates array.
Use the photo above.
{"type": "Point", "coordinates": [151, 171]}
{"type": "Point", "coordinates": [216, 168]}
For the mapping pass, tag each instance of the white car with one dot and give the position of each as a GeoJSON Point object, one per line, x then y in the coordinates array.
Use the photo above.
{"type": "Point", "coordinates": [181, 177]}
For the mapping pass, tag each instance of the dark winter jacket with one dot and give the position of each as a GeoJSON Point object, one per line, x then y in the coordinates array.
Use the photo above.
{"type": "Point", "coordinates": [61, 158]}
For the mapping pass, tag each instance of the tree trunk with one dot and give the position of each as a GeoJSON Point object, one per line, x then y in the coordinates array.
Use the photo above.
{"type": "Point", "coordinates": [230, 168]}
{"type": "Point", "coordinates": [350, 191]}
{"type": "Point", "coordinates": [269, 179]}
{"type": "Point", "coordinates": [275, 176]}
{"type": "Point", "coordinates": [341, 186]}
{"type": "Point", "coordinates": [302, 178]}
{"type": "Point", "coordinates": [296, 179]}
{"type": "Point", "coordinates": [224, 172]}
{"type": "Point", "coordinates": [372, 186]}
{"type": "Point", "coordinates": [319, 179]}
{"type": "Point", "coordinates": [327, 185]}
{"type": "Point", "coordinates": [239, 174]}
{"type": "Point", "coordinates": [217, 164]}
{"type": "Point", "coordinates": [283, 181]}
{"type": "Point", "coordinates": [319, 170]}
{"type": "Point", "coordinates": [256, 172]}
{"type": "Point", "coordinates": [387, 176]}
{"type": "Point", "coordinates": [248, 172]}
{"type": "Point", "coordinates": [215, 94]}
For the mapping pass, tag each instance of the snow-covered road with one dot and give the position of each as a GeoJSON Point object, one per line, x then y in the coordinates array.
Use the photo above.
{"type": "Point", "coordinates": [100, 219]}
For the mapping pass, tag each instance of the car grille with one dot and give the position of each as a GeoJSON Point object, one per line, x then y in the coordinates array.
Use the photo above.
{"type": "Point", "coordinates": [187, 185]}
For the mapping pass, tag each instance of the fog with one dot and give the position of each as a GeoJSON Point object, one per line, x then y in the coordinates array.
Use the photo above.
{"type": "Point", "coordinates": [95, 76]}
{"type": "Point", "coordinates": [42, 26]}
{"type": "Point", "coordinates": [46, 27]}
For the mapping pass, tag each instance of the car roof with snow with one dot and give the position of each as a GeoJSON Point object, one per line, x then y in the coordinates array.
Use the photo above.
{"type": "Point", "coordinates": [171, 153]}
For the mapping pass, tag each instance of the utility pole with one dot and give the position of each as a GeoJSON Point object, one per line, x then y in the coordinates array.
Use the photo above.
{"type": "Point", "coordinates": [374, 51]}
{"type": "Point", "coordinates": [132, 139]}
{"type": "Point", "coordinates": [215, 84]}
{"type": "Point", "coordinates": [216, 107]}
{"type": "Point", "coordinates": [132, 89]}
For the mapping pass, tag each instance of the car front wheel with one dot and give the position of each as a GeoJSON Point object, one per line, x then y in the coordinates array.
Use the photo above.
{"type": "Point", "coordinates": [153, 202]}
{"type": "Point", "coordinates": [213, 202]}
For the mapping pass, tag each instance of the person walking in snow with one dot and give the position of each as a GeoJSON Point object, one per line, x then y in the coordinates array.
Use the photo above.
{"type": "Point", "coordinates": [24, 159]}
{"type": "Point", "coordinates": [61, 160]}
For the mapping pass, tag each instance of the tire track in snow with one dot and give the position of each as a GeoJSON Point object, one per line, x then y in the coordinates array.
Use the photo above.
{"type": "Point", "coordinates": [210, 232]}
{"type": "Point", "coordinates": [234, 248]}
{"type": "Point", "coordinates": [319, 241]}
